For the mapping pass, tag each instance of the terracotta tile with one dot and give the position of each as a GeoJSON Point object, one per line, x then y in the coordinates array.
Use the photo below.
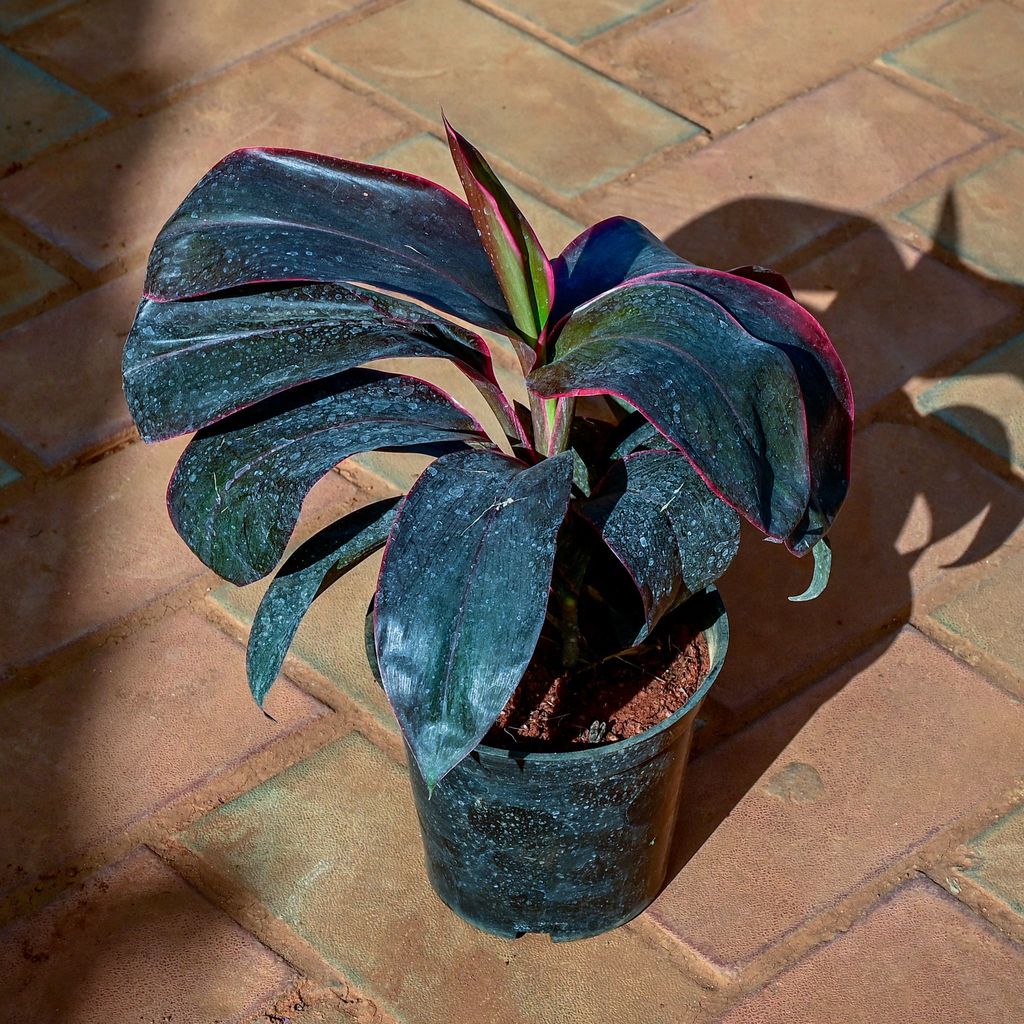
{"type": "Point", "coordinates": [724, 63]}
{"type": "Point", "coordinates": [577, 20]}
{"type": "Point", "coordinates": [8, 474]}
{"type": "Point", "coordinates": [40, 110]}
{"type": "Point", "coordinates": [761, 193]}
{"type": "Point", "coordinates": [976, 58]}
{"type": "Point", "coordinates": [332, 848]}
{"type": "Point", "coordinates": [912, 517]}
{"type": "Point", "coordinates": [80, 341]}
{"type": "Point", "coordinates": [94, 546]}
{"type": "Point", "coordinates": [15, 13]}
{"type": "Point", "coordinates": [23, 278]}
{"type": "Point", "coordinates": [136, 944]}
{"type": "Point", "coordinates": [991, 217]}
{"type": "Point", "coordinates": [832, 788]}
{"type": "Point", "coordinates": [984, 401]}
{"type": "Point", "coordinates": [988, 615]}
{"type": "Point", "coordinates": [110, 195]}
{"type": "Point", "coordinates": [121, 733]}
{"type": "Point", "coordinates": [893, 312]}
{"type": "Point", "coordinates": [89, 548]}
{"type": "Point", "coordinates": [917, 956]}
{"type": "Point", "coordinates": [428, 157]}
{"type": "Point", "coordinates": [996, 860]}
{"type": "Point", "coordinates": [540, 111]}
{"type": "Point", "coordinates": [131, 53]}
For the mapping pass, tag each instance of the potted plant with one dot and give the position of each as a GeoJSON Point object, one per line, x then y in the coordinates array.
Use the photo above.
{"type": "Point", "coordinates": [524, 577]}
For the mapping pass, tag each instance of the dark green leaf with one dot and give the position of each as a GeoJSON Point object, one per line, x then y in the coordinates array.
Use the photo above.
{"type": "Point", "coordinates": [518, 259]}
{"type": "Point", "coordinates": [281, 215]}
{"type": "Point", "coordinates": [187, 364]}
{"type": "Point", "coordinates": [822, 552]}
{"type": "Point", "coordinates": [669, 531]}
{"type": "Point", "coordinates": [310, 570]}
{"type": "Point", "coordinates": [764, 313]}
{"type": "Point", "coordinates": [236, 493]}
{"type": "Point", "coordinates": [462, 596]}
{"type": "Point", "coordinates": [622, 253]}
{"type": "Point", "coordinates": [730, 401]}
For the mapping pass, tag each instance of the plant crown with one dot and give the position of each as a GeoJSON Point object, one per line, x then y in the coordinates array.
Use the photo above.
{"type": "Point", "coordinates": [659, 402]}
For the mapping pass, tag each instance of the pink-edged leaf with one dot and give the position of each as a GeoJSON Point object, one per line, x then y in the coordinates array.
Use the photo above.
{"type": "Point", "coordinates": [729, 400]}
{"type": "Point", "coordinates": [765, 276]}
{"type": "Point", "coordinates": [281, 215]}
{"type": "Point", "coordinates": [670, 532]}
{"type": "Point", "coordinates": [622, 253]}
{"type": "Point", "coordinates": [463, 594]}
{"type": "Point", "coordinates": [760, 304]}
{"type": "Point", "coordinates": [313, 567]}
{"type": "Point", "coordinates": [511, 244]}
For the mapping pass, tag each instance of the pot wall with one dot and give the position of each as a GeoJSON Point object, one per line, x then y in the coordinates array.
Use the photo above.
{"type": "Point", "coordinates": [570, 844]}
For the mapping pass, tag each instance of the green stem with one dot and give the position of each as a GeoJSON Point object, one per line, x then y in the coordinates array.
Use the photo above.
{"type": "Point", "coordinates": [560, 412]}
{"type": "Point", "coordinates": [539, 415]}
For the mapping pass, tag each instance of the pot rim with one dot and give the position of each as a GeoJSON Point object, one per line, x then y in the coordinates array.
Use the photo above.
{"type": "Point", "coordinates": [717, 636]}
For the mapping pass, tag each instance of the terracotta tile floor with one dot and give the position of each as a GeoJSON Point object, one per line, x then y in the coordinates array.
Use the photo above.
{"type": "Point", "coordinates": [854, 805]}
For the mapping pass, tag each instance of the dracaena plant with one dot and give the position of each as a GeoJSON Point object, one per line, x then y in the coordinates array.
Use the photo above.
{"type": "Point", "coordinates": [283, 273]}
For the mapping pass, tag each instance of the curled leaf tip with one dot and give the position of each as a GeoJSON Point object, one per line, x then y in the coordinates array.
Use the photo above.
{"type": "Point", "coordinates": [822, 553]}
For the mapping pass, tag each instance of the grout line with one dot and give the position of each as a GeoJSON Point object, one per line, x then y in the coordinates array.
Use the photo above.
{"type": "Point", "coordinates": [245, 908]}
{"type": "Point", "coordinates": [974, 450]}
{"type": "Point", "coordinates": [223, 784]}
{"type": "Point", "coordinates": [569, 207]}
{"type": "Point", "coordinates": [337, 1001]}
{"type": "Point", "coordinates": [710, 976]}
{"type": "Point", "coordinates": [820, 930]}
{"type": "Point", "coordinates": [994, 670]}
{"type": "Point", "coordinates": [628, 25]}
{"type": "Point", "coordinates": [979, 901]}
{"type": "Point", "coordinates": [951, 11]}
{"type": "Point", "coordinates": [149, 613]}
{"type": "Point", "coordinates": [359, 718]}
{"type": "Point", "coordinates": [573, 52]}
{"type": "Point", "coordinates": [948, 101]}
{"type": "Point", "coordinates": [99, 92]}
{"type": "Point", "coordinates": [865, 64]}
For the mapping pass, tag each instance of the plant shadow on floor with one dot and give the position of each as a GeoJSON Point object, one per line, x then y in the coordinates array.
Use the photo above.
{"type": "Point", "coordinates": [781, 654]}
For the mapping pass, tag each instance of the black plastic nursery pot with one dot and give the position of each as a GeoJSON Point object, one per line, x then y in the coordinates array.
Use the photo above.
{"type": "Point", "coordinates": [571, 844]}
